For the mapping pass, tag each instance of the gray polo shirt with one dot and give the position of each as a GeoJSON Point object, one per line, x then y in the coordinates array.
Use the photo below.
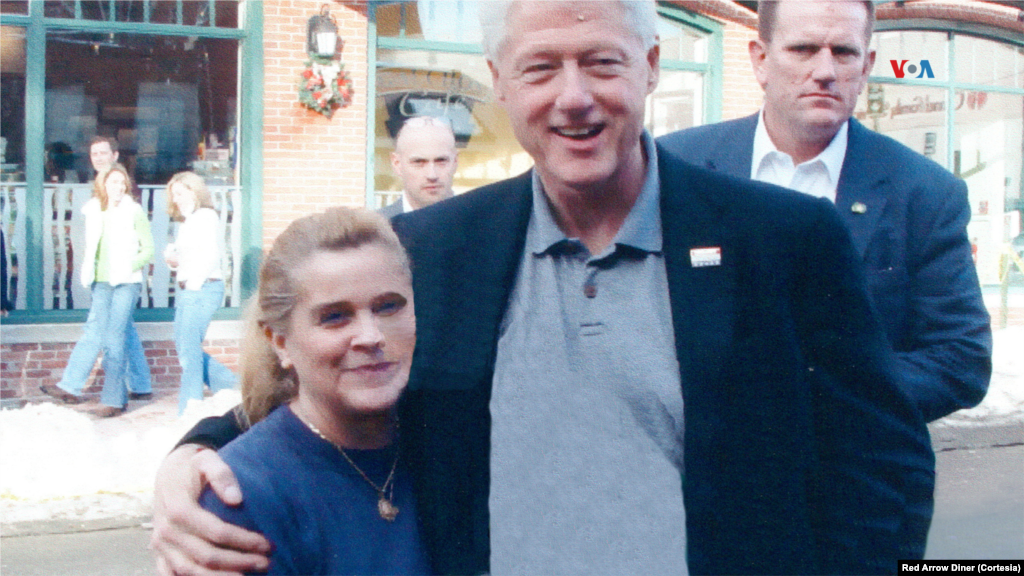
{"type": "Point", "coordinates": [587, 408]}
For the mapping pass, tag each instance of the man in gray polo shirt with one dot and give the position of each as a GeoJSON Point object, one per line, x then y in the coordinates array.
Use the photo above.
{"type": "Point", "coordinates": [624, 364]}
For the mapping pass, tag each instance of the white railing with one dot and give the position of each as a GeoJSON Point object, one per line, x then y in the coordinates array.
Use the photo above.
{"type": "Point", "coordinates": [64, 242]}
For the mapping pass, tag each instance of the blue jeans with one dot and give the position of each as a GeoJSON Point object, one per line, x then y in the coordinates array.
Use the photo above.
{"type": "Point", "coordinates": [109, 327]}
{"type": "Point", "coordinates": [193, 310]}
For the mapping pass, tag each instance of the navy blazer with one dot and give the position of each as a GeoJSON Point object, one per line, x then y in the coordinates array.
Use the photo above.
{"type": "Point", "coordinates": [910, 229]}
{"type": "Point", "coordinates": [801, 451]}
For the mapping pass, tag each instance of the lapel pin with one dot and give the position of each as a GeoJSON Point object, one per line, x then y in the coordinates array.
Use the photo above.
{"type": "Point", "coordinates": [700, 257]}
{"type": "Point", "coordinates": [859, 208]}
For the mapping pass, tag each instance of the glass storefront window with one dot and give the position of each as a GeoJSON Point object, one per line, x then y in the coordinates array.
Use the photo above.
{"type": "Point", "coordinates": [980, 61]}
{"type": "Point", "coordinates": [454, 86]}
{"type": "Point", "coordinates": [677, 103]}
{"type": "Point", "coordinates": [983, 144]}
{"type": "Point", "coordinates": [12, 105]}
{"type": "Point", "coordinates": [169, 101]}
{"type": "Point", "coordinates": [222, 13]}
{"type": "Point", "coordinates": [430, 20]}
{"type": "Point", "coordinates": [679, 42]}
{"type": "Point", "coordinates": [913, 115]}
{"type": "Point", "coordinates": [914, 47]}
{"type": "Point", "coordinates": [988, 157]}
{"type": "Point", "coordinates": [12, 158]}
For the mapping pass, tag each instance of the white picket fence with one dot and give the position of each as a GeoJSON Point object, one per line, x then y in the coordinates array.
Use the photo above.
{"type": "Point", "coordinates": [64, 243]}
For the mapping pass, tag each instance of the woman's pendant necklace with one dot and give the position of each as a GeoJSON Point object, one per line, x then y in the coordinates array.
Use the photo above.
{"type": "Point", "coordinates": [385, 493]}
{"type": "Point", "coordinates": [388, 511]}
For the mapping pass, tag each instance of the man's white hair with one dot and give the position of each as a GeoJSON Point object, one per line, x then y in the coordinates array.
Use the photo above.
{"type": "Point", "coordinates": [641, 16]}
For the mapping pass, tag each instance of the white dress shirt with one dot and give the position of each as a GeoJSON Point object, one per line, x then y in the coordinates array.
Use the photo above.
{"type": "Point", "coordinates": [818, 176]}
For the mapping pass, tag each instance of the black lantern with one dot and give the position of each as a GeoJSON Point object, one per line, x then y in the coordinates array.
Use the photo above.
{"type": "Point", "coordinates": [322, 34]}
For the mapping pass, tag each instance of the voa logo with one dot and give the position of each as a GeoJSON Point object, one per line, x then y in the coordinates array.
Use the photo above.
{"type": "Point", "coordinates": [923, 70]}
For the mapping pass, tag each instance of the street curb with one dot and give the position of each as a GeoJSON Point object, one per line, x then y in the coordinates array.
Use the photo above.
{"type": "Point", "coordinates": [65, 526]}
{"type": "Point", "coordinates": [946, 436]}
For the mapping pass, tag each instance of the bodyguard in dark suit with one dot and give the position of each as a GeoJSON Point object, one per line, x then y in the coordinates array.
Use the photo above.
{"type": "Point", "coordinates": [626, 364]}
{"type": "Point", "coordinates": [907, 217]}
{"type": "Point", "coordinates": [906, 214]}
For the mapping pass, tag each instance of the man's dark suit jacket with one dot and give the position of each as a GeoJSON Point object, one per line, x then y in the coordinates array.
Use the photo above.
{"type": "Point", "coordinates": [909, 228]}
{"type": "Point", "coordinates": [800, 449]}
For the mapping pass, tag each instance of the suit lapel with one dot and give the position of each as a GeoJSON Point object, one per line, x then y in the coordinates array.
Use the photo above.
{"type": "Point", "coordinates": [703, 297]}
{"type": "Point", "coordinates": [860, 196]}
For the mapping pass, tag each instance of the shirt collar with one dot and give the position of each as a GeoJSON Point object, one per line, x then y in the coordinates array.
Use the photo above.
{"type": "Point", "coordinates": [831, 157]}
{"type": "Point", "coordinates": [640, 230]}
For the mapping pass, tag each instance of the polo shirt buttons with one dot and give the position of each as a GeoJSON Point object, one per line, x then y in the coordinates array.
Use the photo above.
{"type": "Point", "coordinates": [589, 290]}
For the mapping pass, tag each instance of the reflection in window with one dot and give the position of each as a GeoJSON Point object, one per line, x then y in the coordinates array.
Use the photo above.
{"type": "Point", "coordinates": [222, 13]}
{"type": "Point", "coordinates": [913, 115]}
{"type": "Point", "coordinates": [988, 157]}
{"type": "Point", "coordinates": [431, 20]}
{"type": "Point", "coordinates": [169, 101]}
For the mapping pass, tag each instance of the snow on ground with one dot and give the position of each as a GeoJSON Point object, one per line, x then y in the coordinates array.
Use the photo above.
{"type": "Point", "coordinates": [57, 463]}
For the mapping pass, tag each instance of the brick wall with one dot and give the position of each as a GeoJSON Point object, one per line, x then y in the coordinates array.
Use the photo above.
{"type": "Point", "coordinates": [26, 363]}
{"type": "Point", "coordinates": [310, 162]}
{"type": "Point", "coordinates": [742, 94]}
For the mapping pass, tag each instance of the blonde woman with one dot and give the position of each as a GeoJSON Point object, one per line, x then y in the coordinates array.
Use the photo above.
{"type": "Point", "coordinates": [196, 254]}
{"type": "Point", "coordinates": [118, 245]}
{"type": "Point", "coordinates": [330, 337]}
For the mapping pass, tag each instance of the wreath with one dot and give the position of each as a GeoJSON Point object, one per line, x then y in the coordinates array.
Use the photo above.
{"type": "Point", "coordinates": [324, 86]}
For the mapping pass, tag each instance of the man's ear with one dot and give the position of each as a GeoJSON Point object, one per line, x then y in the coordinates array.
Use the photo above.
{"type": "Point", "coordinates": [395, 161]}
{"type": "Point", "coordinates": [499, 92]}
{"type": "Point", "coordinates": [654, 62]}
{"type": "Point", "coordinates": [758, 53]}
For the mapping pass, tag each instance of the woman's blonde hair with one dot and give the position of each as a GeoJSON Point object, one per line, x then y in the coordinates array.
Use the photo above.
{"type": "Point", "coordinates": [193, 182]}
{"type": "Point", "coordinates": [265, 383]}
{"type": "Point", "coordinates": [99, 186]}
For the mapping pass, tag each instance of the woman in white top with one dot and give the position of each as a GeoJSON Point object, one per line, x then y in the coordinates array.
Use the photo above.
{"type": "Point", "coordinates": [196, 254]}
{"type": "Point", "coordinates": [118, 245]}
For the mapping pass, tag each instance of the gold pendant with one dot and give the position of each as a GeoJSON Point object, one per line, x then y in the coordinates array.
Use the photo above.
{"type": "Point", "coordinates": [387, 510]}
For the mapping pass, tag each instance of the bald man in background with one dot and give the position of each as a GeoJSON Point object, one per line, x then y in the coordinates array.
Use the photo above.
{"type": "Point", "coordinates": [424, 160]}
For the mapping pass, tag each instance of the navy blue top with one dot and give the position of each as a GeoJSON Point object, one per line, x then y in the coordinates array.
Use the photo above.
{"type": "Point", "coordinates": [318, 512]}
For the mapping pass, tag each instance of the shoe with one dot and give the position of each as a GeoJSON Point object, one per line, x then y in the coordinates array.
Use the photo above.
{"type": "Point", "coordinates": [108, 411]}
{"type": "Point", "coordinates": [61, 395]}
{"type": "Point", "coordinates": [140, 395]}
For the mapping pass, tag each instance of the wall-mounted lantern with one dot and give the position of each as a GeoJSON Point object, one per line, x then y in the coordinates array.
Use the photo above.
{"type": "Point", "coordinates": [322, 34]}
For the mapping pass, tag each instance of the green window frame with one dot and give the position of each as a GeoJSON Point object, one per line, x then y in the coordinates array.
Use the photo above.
{"type": "Point", "coordinates": [249, 34]}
